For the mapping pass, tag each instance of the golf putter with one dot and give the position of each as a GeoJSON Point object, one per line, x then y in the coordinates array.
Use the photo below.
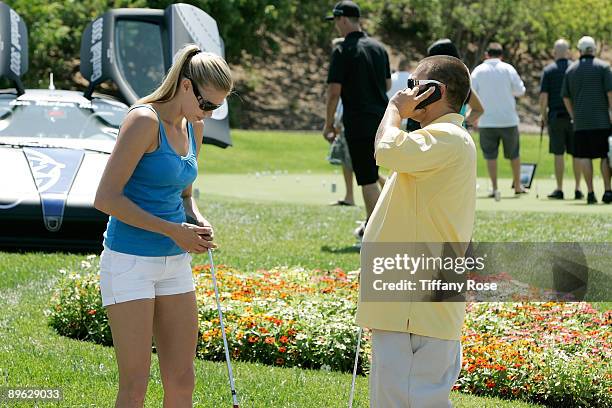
{"type": "Point", "coordinates": [352, 393]}
{"type": "Point", "coordinates": [225, 346]}
{"type": "Point", "coordinates": [539, 155]}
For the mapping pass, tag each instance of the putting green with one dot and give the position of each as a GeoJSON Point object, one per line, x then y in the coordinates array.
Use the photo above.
{"type": "Point", "coordinates": [317, 189]}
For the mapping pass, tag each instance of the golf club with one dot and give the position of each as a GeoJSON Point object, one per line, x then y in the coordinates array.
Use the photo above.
{"type": "Point", "coordinates": [539, 155]}
{"type": "Point", "coordinates": [227, 356]}
{"type": "Point", "coordinates": [352, 393]}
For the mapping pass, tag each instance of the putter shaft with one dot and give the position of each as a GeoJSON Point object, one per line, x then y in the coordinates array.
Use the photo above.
{"type": "Point", "coordinates": [225, 346]}
{"type": "Point", "coordinates": [352, 393]}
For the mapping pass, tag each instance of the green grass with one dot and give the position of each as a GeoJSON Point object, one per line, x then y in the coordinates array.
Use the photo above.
{"type": "Point", "coordinates": [316, 188]}
{"type": "Point", "coordinates": [301, 152]}
{"type": "Point", "coordinates": [252, 234]}
{"type": "Point", "coordinates": [296, 152]}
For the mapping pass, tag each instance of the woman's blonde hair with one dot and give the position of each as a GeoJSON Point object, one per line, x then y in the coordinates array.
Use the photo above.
{"type": "Point", "coordinates": [204, 68]}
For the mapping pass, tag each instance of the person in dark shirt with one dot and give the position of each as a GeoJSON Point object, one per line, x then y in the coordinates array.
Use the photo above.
{"type": "Point", "coordinates": [555, 116]}
{"type": "Point", "coordinates": [587, 95]}
{"type": "Point", "coordinates": [359, 72]}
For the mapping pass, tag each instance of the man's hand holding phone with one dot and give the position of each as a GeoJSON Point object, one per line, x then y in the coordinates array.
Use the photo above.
{"type": "Point", "coordinates": [406, 101]}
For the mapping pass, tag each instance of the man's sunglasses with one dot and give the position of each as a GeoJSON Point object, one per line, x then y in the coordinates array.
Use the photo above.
{"type": "Point", "coordinates": [416, 82]}
{"type": "Point", "coordinates": [205, 105]}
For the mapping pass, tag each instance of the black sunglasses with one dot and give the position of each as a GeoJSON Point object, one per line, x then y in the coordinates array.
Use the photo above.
{"type": "Point", "coordinates": [416, 82]}
{"type": "Point", "coordinates": [205, 105]}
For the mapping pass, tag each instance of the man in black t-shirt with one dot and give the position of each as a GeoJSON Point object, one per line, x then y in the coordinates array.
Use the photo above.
{"type": "Point", "coordinates": [587, 96]}
{"type": "Point", "coordinates": [359, 73]}
{"type": "Point", "coordinates": [554, 114]}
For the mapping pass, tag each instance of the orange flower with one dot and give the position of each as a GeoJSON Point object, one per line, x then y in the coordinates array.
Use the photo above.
{"type": "Point", "coordinates": [490, 383]}
{"type": "Point", "coordinates": [292, 332]}
{"type": "Point", "coordinates": [253, 339]}
{"type": "Point", "coordinates": [269, 340]}
{"type": "Point", "coordinates": [284, 339]}
{"type": "Point", "coordinates": [91, 312]}
{"type": "Point", "coordinates": [282, 349]}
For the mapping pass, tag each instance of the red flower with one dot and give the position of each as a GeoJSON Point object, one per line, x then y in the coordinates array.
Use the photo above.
{"type": "Point", "coordinates": [490, 383]}
{"type": "Point", "coordinates": [284, 339]}
{"type": "Point", "coordinates": [91, 312]}
{"type": "Point", "coordinates": [282, 349]}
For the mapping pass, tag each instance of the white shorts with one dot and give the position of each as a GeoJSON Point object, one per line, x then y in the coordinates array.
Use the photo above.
{"type": "Point", "coordinates": [125, 277]}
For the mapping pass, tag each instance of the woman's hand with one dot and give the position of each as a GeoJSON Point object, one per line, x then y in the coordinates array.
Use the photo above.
{"type": "Point", "coordinates": [203, 222]}
{"type": "Point", "coordinates": [191, 237]}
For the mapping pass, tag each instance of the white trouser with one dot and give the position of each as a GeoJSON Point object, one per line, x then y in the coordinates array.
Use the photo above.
{"type": "Point", "coordinates": [412, 371]}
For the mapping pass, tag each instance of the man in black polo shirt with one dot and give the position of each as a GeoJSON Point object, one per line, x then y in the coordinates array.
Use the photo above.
{"type": "Point", "coordinates": [587, 95]}
{"type": "Point", "coordinates": [555, 115]}
{"type": "Point", "coordinates": [359, 72]}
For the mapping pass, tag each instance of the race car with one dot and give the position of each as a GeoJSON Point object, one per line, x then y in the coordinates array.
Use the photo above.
{"type": "Point", "coordinates": [53, 149]}
{"type": "Point", "coordinates": [54, 144]}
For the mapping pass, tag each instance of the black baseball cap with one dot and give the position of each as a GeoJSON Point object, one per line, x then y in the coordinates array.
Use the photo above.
{"type": "Point", "coordinates": [345, 8]}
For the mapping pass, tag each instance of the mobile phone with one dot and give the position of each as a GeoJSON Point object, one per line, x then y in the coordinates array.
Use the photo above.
{"type": "Point", "coordinates": [424, 85]}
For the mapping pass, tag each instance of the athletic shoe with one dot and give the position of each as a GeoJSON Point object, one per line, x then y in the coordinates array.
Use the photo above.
{"type": "Point", "coordinates": [607, 197]}
{"type": "Point", "coordinates": [556, 195]}
{"type": "Point", "coordinates": [591, 198]}
{"type": "Point", "coordinates": [495, 194]}
{"type": "Point", "coordinates": [358, 232]}
{"type": "Point", "coordinates": [578, 195]}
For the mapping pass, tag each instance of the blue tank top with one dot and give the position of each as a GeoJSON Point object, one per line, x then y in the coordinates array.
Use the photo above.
{"type": "Point", "coordinates": [155, 186]}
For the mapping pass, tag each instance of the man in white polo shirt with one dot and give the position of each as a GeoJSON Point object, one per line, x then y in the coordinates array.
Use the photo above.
{"type": "Point", "coordinates": [497, 84]}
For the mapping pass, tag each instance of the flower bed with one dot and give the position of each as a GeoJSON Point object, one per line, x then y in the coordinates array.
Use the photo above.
{"type": "Point", "coordinates": [553, 353]}
{"type": "Point", "coordinates": [286, 317]}
{"type": "Point", "coordinates": [557, 354]}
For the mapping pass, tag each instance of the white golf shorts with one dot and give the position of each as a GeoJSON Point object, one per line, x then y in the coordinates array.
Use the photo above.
{"type": "Point", "coordinates": [125, 277]}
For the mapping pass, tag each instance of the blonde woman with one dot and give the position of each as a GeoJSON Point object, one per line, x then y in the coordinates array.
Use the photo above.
{"type": "Point", "coordinates": [145, 272]}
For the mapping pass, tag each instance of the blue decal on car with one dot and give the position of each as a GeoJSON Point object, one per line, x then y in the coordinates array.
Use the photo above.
{"type": "Point", "coordinates": [54, 171]}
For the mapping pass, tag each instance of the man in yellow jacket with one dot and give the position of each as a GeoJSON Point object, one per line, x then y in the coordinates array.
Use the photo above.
{"type": "Point", "coordinates": [429, 198]}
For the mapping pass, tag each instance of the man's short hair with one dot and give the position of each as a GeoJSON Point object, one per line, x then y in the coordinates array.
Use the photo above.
{"type": "Point", "coordinates": [561, 46]}
{"type": "Point", "coordinates": [354, 20]}
{"type": "Point", "coordinates": [451, 72]}
{"type": "Point", "coordinates": [495, 49]}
